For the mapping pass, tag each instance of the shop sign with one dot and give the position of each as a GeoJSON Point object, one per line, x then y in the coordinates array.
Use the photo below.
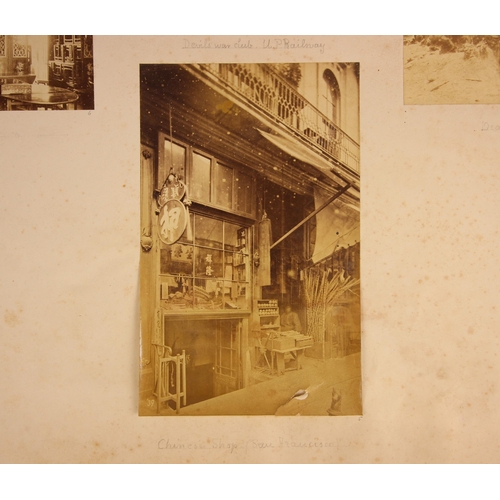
{"type": "Point", "coordinates": [172, 221]}
{"type": "Point", "coordinates": [172, 190]}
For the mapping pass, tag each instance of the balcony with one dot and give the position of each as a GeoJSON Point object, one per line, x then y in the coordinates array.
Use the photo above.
{"type": "Point", "coordinates": [267, 90]}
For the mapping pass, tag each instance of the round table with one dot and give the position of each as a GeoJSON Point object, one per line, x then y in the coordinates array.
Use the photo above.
{"type": "Point", "coordinates": [41, 96]}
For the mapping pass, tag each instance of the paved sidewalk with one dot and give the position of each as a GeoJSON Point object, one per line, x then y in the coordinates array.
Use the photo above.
{"type": "Point", "coordinates": [272, 397]}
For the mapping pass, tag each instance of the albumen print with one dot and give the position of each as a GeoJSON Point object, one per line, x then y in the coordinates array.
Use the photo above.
{"type": "Point", "coordinates": [46, 72]}
{"type": "Point", "coordinates": [250, 239]}
{"type": "Point", "coordinates": [452, 69]}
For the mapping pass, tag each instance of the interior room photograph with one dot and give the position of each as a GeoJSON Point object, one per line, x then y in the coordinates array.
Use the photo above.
{"type": "Point", "coordinates": [46, 72]}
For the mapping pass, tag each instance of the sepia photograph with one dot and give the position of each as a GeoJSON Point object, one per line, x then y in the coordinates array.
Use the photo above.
{"type": "Point", "coordinates": [250, 239]}
{"type": "Point", "coordinates": [46, 72]}
{"type": "Point", "coordinates": [451, 69]}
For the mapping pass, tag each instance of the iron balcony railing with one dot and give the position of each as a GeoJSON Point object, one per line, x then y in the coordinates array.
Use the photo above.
{"type": "Point", "coordinates": [268, 90]}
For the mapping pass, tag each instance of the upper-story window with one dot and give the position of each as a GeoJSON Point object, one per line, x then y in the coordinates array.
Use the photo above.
{"type": "Point", "coordinates": [209, 181]}
{"type": "Point", "coordinates": [332, 97]}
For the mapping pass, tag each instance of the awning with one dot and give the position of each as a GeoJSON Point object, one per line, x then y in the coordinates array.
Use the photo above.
{"type": "Point", "coordinates": [295, 149]}
{"type": "Point", "coordinates": [337, 225]}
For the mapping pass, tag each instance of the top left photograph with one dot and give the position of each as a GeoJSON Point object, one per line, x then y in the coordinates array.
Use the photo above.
{"type": "Point", "coordinates": [46, 72]}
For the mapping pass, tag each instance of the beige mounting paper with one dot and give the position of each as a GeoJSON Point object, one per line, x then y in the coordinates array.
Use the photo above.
{"type": "Point", "coordinates": [70, 275]}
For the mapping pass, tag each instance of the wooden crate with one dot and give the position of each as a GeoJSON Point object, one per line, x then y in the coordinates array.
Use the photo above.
{"type": "Point", "coordinates": [282, 343]}
{"type": "Point", "coordinates": [303, 341]}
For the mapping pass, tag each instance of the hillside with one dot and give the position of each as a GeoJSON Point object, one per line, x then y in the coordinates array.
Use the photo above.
{"type": "Point", "coordinates": [441, 70]}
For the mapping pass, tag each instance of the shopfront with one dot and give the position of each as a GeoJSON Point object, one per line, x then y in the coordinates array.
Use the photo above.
{"type": "Point", "coordinates": [227, 228]}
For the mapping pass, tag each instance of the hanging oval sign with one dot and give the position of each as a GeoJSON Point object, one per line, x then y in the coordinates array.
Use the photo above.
{"type": "Point", "coordinates": [172, 221]}
{"type": "Point", "coordinates": [171, 191]}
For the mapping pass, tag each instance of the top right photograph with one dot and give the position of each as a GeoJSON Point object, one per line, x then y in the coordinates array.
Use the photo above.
{"type": "Point", "coordinates": [451, 69]}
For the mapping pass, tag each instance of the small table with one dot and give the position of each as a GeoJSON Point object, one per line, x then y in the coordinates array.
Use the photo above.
{"type": "Point", "coordinates": [42, 96]}
{"type": "Point", "coordinates": [279, 354]}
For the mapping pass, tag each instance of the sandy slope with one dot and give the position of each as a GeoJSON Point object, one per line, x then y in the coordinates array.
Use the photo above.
{"type": "Point", "coordinates": [434, 78]}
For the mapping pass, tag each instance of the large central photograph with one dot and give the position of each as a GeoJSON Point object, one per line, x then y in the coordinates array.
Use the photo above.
{"type": "Point", "coordinates": [250, 239]}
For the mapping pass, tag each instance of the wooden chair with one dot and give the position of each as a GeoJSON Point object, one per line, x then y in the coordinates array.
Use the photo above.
{"type": "Point", "coordinates": [170, 371]}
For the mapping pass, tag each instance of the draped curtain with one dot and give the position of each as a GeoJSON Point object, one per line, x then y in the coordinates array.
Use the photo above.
{"type": "Point", "coordinates": [337, 225]}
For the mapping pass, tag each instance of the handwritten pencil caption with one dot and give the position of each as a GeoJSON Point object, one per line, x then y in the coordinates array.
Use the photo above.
{"type": "Point", "coordinates": [268, 43]}
{"type": "Point", "coordinates": [489, 126]}
{"type": "Point", "coordinates": [244, 445]}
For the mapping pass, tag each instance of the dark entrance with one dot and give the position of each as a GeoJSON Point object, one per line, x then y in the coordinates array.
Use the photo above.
{"type": "Point", "coordinates": [212, 349]}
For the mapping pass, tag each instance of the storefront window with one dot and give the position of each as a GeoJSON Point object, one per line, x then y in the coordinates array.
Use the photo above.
{"type": "Point", "coordinates": [224, 186]}
{"type": "Point", "coordinates": [208, 263]}
{"type": "Point", "coordinates": [176, 259]}
{"type": "Point", "coordinates": [209, 232]}
{"type": "Point", "coordinates": [231, 236]}
{"type": "Point", "coordinates": [199, 187]}
{"type": "Point", "coordinates": [244, 192]}
{"type": "Point", "coordinates": [211, 272]}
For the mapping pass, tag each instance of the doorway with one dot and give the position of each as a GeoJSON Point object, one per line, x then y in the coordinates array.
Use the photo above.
{"type": "Point", "coordinates": [285, 209]}
{"type": "Point", "coordinates": [212, 348]}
